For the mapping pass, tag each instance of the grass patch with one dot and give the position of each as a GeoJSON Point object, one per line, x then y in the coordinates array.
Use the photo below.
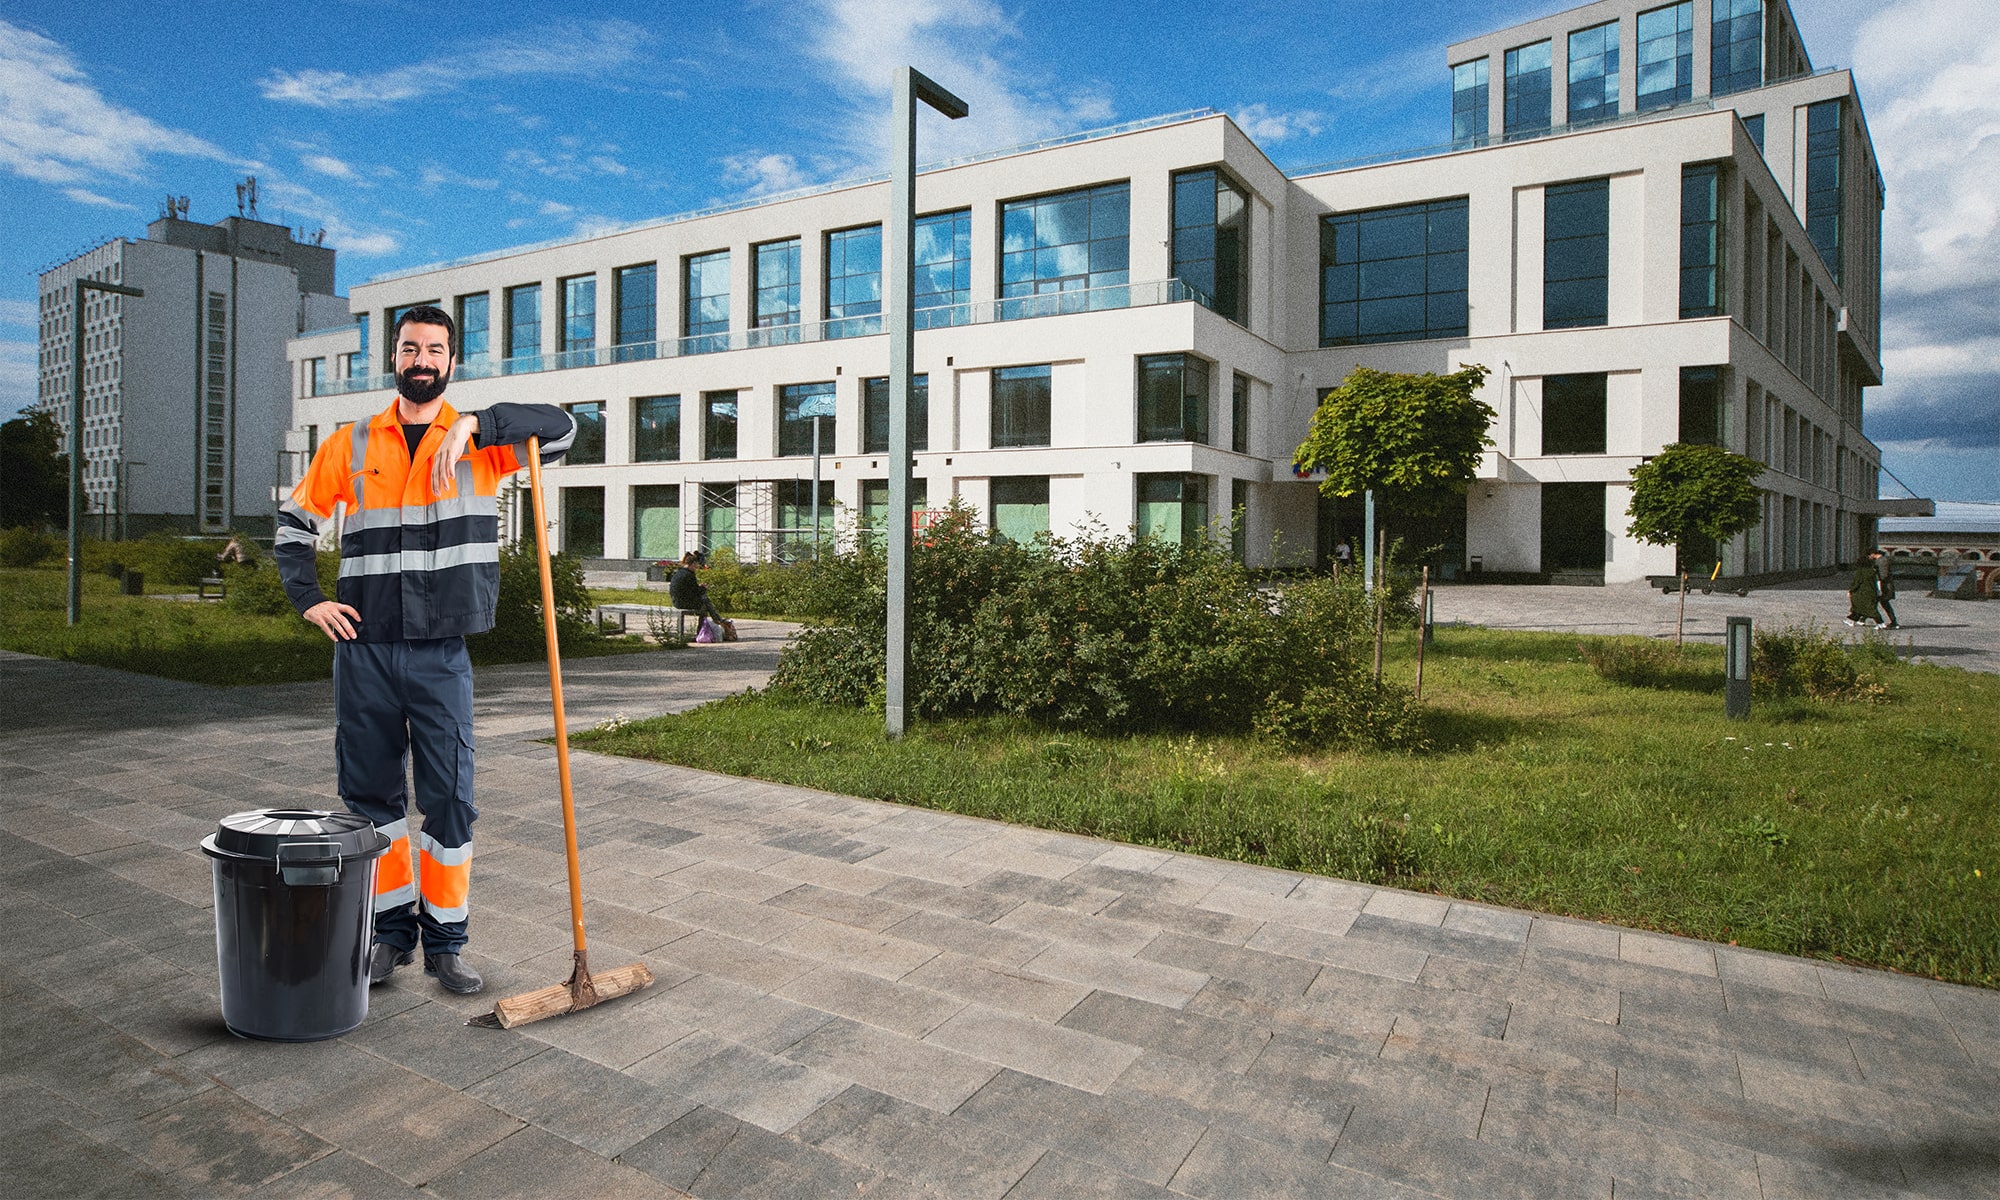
{"type": "Point", "coordinates": [1859, 832]}
{"type": "Point", "coordinates": [191, 641]}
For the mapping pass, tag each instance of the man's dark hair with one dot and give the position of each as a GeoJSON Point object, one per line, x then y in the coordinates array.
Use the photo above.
{"type": "Point", "coordinates": [428, 314]}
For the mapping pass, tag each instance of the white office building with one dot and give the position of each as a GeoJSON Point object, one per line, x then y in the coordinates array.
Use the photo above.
{"type": "Point", "coordinates": [186, 398]}
{"type": "Point", "coordinates": [1652, 224]}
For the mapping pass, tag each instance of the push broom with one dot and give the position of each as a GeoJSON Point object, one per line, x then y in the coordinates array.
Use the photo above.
{"type": "Point", "coordinates": [582, 989]}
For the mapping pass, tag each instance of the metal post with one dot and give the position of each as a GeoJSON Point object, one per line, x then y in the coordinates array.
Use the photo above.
{"type": "Point", "coordinates": [1736, 668]}
{"type": "Point", "coordinates": [76, 434]}
{"type": "Point", "coordinates": [815, 487]}
{"type": "Point", "coordinates": [900, 288]}
{"type": "Point", "coordinates": [1368, 540]}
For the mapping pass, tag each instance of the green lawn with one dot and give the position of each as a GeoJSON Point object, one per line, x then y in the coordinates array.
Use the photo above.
{"type": "Point", "coordinates": [1859, 832]}
{"type": "Point", "coordinates": [199, 642]}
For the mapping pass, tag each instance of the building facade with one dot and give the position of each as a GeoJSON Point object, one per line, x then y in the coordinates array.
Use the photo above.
{"type": "Point", "coordinates": [187, 400]}
{"type": "Point", "coordinates": [1132, 328]}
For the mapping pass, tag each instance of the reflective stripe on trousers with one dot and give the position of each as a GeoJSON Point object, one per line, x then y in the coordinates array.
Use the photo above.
{"type": "Point", "coordinates": [410, 702]}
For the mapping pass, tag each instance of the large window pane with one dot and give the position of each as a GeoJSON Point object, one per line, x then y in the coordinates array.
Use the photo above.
{"type": "Point", "coordinates": [1469, 103]}
{"type": "Point", "coordinates": [1701, 226]}
{"type": "Point", "coordinates": [718, 425]}
{"type": "Point", "coordinates": [579, 313]}
{"type": "Point", "coordinates": [1666, 56]}
{"type": "Point", "coordinates": [656, 429]}
{"type": "Point", "coordinates": [1064, 242]}
{"type": "Point", "coordinates": [942, 259]}
{"type": "Point", "coordinates": [1173, 398]}
{"type": "Point", "coordinates": [583, 521]}
{"type": "Point", "coordinates": [1239, 414]}
{"type": "Point", "coordinates": [854, 282]}
{"type": "Point", "coordinates": [875, 505]}
{"type": "Point", "coordinates": [524, 321]}
{"type": "Point", "coordinates": [799, 405]}
{"type": "Point", "coordinates": [1593, 74]}
{"type": "Point", "coordinates": [1527, 103]}
{"type": "Point", "coordinates": [1576, 254]}
{"type": "Point", "coordinates": [475, 339]}
{"type": "Point", "coordinates": [705, 307]}
{"type": "Point", "coordinates": [875, 414]}
{"type": "Point", "coordinates": [1212, 240]}
{"type": "Point", "coordinates": [1701, 406]}
{"type": "Point", "coordinates": [1573, 414]}
{"type": "Point", "coordinates": [718, 517]}
{"type": "Point", "coordinates": [656, 521]}
{"type": "Point", "coordinates": [1173, 508]}
{"type": "Point", "coordinates": [1393, 274]}
{"type": "Point", "coordinates": [775, 283]}
{"type": "Point", "coordinates": [1021, 404]}
{"type": "Point", "coordinates": [1824, 171]}
{"type": "Point", "coordinates": [589, 444]}
{"type": "Point", "coordinates": [1736, 61]}
{"type": "Point", "coordinates": [638, 312]}
{"type": "Point", "coordinates": [797, 515]}
{"type": "Point", "coordinates": [1020, 507]}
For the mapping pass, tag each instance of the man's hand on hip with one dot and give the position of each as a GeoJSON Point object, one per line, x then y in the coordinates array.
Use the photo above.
{"type": "Point", "coordinates": [335, 620]}
{"type": "Point", "coordinates": [444, 466]}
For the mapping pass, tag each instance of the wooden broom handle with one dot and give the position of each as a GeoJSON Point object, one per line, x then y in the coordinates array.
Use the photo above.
{"type": "Point", "coordinates": [555, 689]}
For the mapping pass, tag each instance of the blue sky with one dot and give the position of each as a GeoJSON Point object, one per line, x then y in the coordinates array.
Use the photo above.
{"type": "Point", "coordinates": [415, 133]}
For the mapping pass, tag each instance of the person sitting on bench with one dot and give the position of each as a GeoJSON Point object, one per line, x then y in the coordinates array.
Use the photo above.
{"type": "Point", "coordinates": [686, 591]}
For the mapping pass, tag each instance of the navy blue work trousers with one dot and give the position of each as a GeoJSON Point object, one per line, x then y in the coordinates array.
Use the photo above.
{"type": "Point", "coordinates": [398, 706]}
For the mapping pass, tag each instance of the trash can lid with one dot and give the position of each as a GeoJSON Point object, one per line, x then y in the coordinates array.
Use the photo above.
{"type": "Point", "coordinates": [260, 832]}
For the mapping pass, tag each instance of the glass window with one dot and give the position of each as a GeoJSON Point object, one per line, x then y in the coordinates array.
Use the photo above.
{"type": "Point", "coordinates": [1212, 240]}
{"type": "Point", "coordinates": [1666, 56]}
{"type": "Point", "coordinates": [854, 282]}
{"type": "Point", "coordinates": [799, 406]}
{"type": "Point", "coordinates": [1239, 413]}
{"type": "Point", "coordinates": [1021, 405]}
{"type": "Point", "coordinates": [315, 376]}
{"type": "Point", "coordinates": [875, 414]}
{"type": "Point", "coordinates": [1573, 414]}
{"type": "Point", "coordinates": [718, 424]}
{"type": "Point", "coordinates": [875, 505]}
{"type": "Point", "coordinates": [1468, 103]}
{"type": "Point", "coordinates": [1701, 249]}
{"type": "Point", "coordinates": [1173, 398]}
{"type": "Point", "coordinates": [1064, 242]}
{"type": "Point", "coordinates": [1173, 508]}
{"type": "Point", "coordinates": [942, 259]}
{"type": "Point", "coordinates": [638, 312]}
{"type": "Point", "coordinates": [1529, 97]}
{"type": "Point", "coordinates": [1736, 52]}
{"type": "Point", "coordinates": [1701, 406]}
{"type": "Point", "coordinates": [705, 312]}
{"type": "Point", "coordinates": [775, 284]}
{"type": "Point", "coordinates": [524, 321]}
{"type": "Point", "coordinates": [583, 521]}
{"type": "Point", "coordinates": [358, 362]}
{"type": "Point", "coordinates": [475, 337]}
{"type": "Point", "coordinates": [1823, 175]}
{"type": "Point", "coordinates": [797, 514]}
{"type": "Point", "coordinates": [579, 329]}
{"type": "Point", "coordinates": [1393, 274]}
{"type": "Point", "coordinates": [718, 517]}
{"type": "Point", "coordinates": [1593, 74]}
{"type": "Point", "coordinates": [589, 444]}
{"type": "Point", "coordinates": [1239, 519]}
{"type": "Point", "coordinates": [1754, 126]}
{"type": "Point", "coordinates": [1576, 254]}
{"type": "Point", "coordinates": [1020, 507]}
{"type": "Point", "coordinates": [656, 521]}
{"type": "Point", "coordinates": [656, 429]}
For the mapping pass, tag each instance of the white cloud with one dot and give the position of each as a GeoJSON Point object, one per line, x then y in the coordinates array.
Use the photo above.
{"type": "Point", "coordinates": [556, 50]}
{"type": "Point", "coordinates": [86, 196]}
{"type": "Point", "coordinates": [20, 312]}
{"type": "Point", "coordinates": [437, 177]}
{"type": "Point", "coordinates": [556, 208]}
{"type": "Point", "coordinates": [327, 164]}
{"type": "Point", "coordinates": [341, 233]}
{"type": "Point", "coordinates": [1269, 128]}
{"type": "Point", "coordinates": [764, 174]}
{"type": "Point", "coordinates": [56, 128]}
{"type": "Point", "coordinates": [568, 163]}
{"type": "Point", "coordinates": [18, 375]}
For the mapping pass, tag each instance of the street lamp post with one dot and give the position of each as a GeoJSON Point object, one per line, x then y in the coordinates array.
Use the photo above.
{"type": "Point", "coordinates": [911, 86]}
{"type": "Point", "coordinates": [76, 434]}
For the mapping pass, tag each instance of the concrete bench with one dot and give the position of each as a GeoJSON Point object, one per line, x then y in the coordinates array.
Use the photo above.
{"type": "Point", "coordinates": [213, 583]}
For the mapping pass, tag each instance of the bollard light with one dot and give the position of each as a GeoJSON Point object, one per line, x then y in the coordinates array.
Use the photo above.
{"type": "Point", "coordinates": [1736, 668]}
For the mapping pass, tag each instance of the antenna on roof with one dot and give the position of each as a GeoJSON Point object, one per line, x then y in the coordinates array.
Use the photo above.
{"type": "Point", "coordinates": [181, 204]}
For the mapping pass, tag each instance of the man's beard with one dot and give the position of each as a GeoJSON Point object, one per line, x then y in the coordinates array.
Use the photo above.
{"type": "Point", "coordinates": [420, 390]}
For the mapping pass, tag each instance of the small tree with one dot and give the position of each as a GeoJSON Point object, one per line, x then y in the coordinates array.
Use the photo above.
{"type": "Point", "coordinates": [1687, 496]}
{"type": "Point", "coordinates": [1414, 439]}
{"type": "Point", "coordinates": [34, 472]}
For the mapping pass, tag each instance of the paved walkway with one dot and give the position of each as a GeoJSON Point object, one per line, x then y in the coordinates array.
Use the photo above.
{"type": "Point", "coordinates": [857, 999]}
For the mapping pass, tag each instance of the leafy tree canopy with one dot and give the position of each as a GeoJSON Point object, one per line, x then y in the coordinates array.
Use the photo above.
{"type": "Point", "coordinates": [34, 473]}
{"type": "Point", "coordinates": [1686, 495]}
{"type": "Point", "coordinates": [1415, 439]}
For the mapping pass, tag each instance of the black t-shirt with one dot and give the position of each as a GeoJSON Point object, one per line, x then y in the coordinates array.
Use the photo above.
{"type": "Point", "coordinates": [412, 434]}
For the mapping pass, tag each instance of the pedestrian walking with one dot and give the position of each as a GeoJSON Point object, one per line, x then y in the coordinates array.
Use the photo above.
{"type": "Point", "coordinates": [1863, 592]}
{"type": "Point", "coordinates": [419, 570]}
{"type": "Point", "coordinates": [1885, 588]}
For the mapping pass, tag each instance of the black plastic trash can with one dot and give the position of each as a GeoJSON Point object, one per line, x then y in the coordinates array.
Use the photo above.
{"type": "Point", "coordinates": [294, 916]}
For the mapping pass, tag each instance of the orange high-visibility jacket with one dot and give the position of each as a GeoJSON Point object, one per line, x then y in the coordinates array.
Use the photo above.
{"type": "Point", "coordinates": [413, 563]}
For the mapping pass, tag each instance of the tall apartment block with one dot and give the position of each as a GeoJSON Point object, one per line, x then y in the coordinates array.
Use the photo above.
{"type": "Point", "coordinates": [1651, 223]}
{"type": "Point", "coordinates": [186, 399]}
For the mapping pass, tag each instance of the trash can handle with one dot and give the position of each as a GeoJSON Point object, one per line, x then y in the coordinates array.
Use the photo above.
{"type": "Point", "coordinates": [323, 869]}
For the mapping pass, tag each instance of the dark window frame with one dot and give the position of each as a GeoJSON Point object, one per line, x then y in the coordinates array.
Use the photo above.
{"type": "Point", "coordinates": [1369, 296]}
{"type": "Point", "coordinates": [651, 440]}
{"type": "Point", "coordinates": [1576, 254]}
{"type": "Point", "coordinates": [875, 413]}
{"type": "Point", "coordinates": [1168, 409]}
{"type": "Point", "coordinates": [1013, 427]}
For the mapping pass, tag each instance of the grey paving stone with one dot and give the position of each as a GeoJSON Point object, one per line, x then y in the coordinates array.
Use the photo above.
{"type": "Point", "coordinates": [600, 1109]}
{"type": "Point", "coordinates": [216, 1144]}
{"type": "Point", "coordinates": [1643, 1160]}
{"type": "Point", "coordinates": [1066, 1056]}
{"type": "Point", "coordinates": [64, 832]}
{"type": "Point", "coordinates": [1781, 1178]}
{"type": "Point", "coordinates": [1353, 1028]}
{"type": "Point", "coordinates": [1330, 919]}
{"type": "Point", "coordinates": [63, 1160]}
{"type": "Point", "coordinates": [1143, 1142]}
{"type": "Point", "coordinates": [1408, 907]}
{"type": "Point", "coordinates": [409, 1126]}
{"type": "Point", "coordinates": [339, 1174]}
{"type": "Point", "coordinates": [1675, 1070]}
{"type": "Point", "coordinates": [1878, 989]}
{"type": "Point", "coordinates": [865, 912]}
{"type": "Point", "coordinates": [1279, 976]}
{"type": "Point", "coordinates": [949, 899]}
{"type": "Point", "coordinates": [731, 1010]}
{"type": "Point", "coordinates": [948, 1157]}
{"type": "Point", "coordinates": [1538, 983]}
{"type": "Point", "coordinates": [897, 1007]}
{"type": "Point", "coordinates": [821, 844]}
{"type": "Point", "coordinates": [1359, 955]}
{"type": "Point", "coordinates": [733, 958]}
{"type": "Point", "coordinates": [1015, 990]}
{"type": "Point", "coordinates": [743, 919]}
{"type": "Point", "coordinates": [638, 932]}
{"type": "Point", "coordinates": [534, 1165]}
{"type": "Point", "coordinates": [169, 1020]}
{"type": "Point", "coordinates": [1081, 897]}
{"type": "Point", "coordinates": [973, 939]}
{"type": "Point", "coordinates": [1396, 1149]}
{"type": "Point", "coordinates": [1228, 1166]}
{"type": "Point", "coordinates": [831, 874]}
{"type": "Point", "coordinates": [102, 971]}
{"type": "Point", "coordinates": [1064, 925]}
{"type": "Point", "coordinates": [1673, 954]}
{"type": "Point", "coordinates": [1303, 1116]}
{"type": "Point", "coordinates": [717, 1157]}
{"type": "Point", "coordinates": [1183, 919]}
{"type": "Point", "coordinates": [1774, 972]}
{"type": "Point", "coordinates": [892, 1064]}
{"type": "Point", "coordinates": [1156, 884]}
{"type": "Point", "coordinates": [767, 1091]}
{"type": "Point", "coordinates": [1057, 1176]}
{"type": "Point", "coordinates": [112, 1076]}
{"type": "Point", "coordinates": [433, 1041]}
{"type": "Point", "coordinates": [727, 880]}
{"type": "Point", "coordinates": [1108, 971]}
{"type": "Point", "coordinates": [1445, 1098]}
{"type": "Point", "coordinates": [1206, 1041]}
{"type": "Point", "coordinates": [1430, 939]}
{"type": "Point", "coordinates": [883, 954]}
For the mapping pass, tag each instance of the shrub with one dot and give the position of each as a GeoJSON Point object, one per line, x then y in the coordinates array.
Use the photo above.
{"type": "Point", "coordinates": [256, 591]}
{"type": "Point", "coordinates": [1810, 660]}
{"type": "Point", "coordinates": [1642, 662]}
{"type": "Point", "coordinates": [22, 547]}
{"type": "Point", "coordinates": [517, 619]}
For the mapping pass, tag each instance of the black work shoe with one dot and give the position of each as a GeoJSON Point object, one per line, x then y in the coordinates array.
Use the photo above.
{"type": "Point", "coordinates": [452, 972]}
{"type": "Point", "coordinates": [384, 959]}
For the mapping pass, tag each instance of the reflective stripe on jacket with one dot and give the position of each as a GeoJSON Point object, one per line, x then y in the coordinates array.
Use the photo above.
{"type": "Point", "coordinates": [415, 564]}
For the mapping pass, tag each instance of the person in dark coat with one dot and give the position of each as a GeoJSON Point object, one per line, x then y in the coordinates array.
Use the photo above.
{"type": "Point", "coordinates": [1863, 594]}
{"type": "Point", "coordinates": [1885, 588]}
{"type": "Point", "coordinates": [686, 591]}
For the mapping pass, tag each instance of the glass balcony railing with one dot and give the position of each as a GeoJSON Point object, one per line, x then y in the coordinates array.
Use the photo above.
{"type": "Point", "coordinates": [977, 312]}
